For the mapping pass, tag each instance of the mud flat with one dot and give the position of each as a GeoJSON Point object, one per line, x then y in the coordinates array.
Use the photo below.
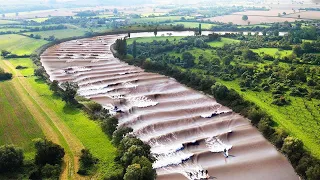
{"type": "Point", "coordinates": [188, 131]}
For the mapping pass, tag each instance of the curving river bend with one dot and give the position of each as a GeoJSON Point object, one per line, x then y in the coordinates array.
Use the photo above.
{"type": "Point", "coordinates": [188, 131]}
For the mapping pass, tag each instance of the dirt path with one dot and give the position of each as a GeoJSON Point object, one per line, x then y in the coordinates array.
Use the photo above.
{"type": "Point", "coordinates": [50, 123]}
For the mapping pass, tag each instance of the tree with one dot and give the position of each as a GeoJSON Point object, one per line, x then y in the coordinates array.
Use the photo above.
{"type": "Point", "coordinates": [299, 16]}
{"type": "Point", "coordinates": [48, 152]}
{"type": "Point", "coordinates": [115, 11]}
{"type": "Point", "coordinates": [4, 53]}
{"type": "Point", "coordinates": [147, 172]}
{"type": "Point", "coordinates": [200, 29]}
{"type": "Point", "coordinates": [219, 91]}
{"type": "Point", "coordinates": [109, 125]}
{"type": "Point", "coordinates": [49, 171]}
{"type": "Point", "coordinates": [134, 49]}
{"type": "Point", "coordinates": [118, 135]}
{"type": "Point", "coordinates": [132, 152]}
{"type": "Point", "coordinates": [40, 72]}
{"type": "Point", "coordinates": [86, 161]}
{"type": "Point", "coordinates": [250, 55]}
{"type": "Point", "coordinates": [155, 32]}
{"type": "Point", "coordinates": [54, 86]}
{"type": "Point", "coordinates": [284, 13]}
{"type": "Point", "coordinates": [313, 173]}
{"type": "Point", "coordinates": [69, 91]}
{"type": "Point", "coordinates": [11, 158]}
{"type": "Point", "coordinates": [293, 148]}
{"type": "Point", "coordinates": [133, 172]}
{"type": "Point", "coordinates": [52, 38]}
{"type": "Point", "coordinates": [245, 17]}
{"type": "Point", "coordinates": [188, 59]}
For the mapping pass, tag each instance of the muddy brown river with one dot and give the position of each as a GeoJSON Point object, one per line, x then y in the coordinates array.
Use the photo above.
{"type": "Point", "coordinates": [189, 133]}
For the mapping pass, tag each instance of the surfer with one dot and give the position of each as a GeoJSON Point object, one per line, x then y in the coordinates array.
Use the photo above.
{"type": "Point", "coordinates": [225, 153]}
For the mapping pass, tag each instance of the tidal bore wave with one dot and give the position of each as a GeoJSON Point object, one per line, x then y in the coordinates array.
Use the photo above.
{"type": "Point", "coordinates": [190, 134]}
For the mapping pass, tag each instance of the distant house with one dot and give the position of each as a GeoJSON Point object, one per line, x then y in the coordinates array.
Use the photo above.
{"type": "Point", "coordinates": [199, 16]}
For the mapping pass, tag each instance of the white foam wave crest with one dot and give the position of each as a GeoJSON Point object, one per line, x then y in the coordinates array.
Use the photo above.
{"type": "Point", "coordinates": [174, 158]}
{"type": "Point", "coordinates": [216, 145]}
{"type": "Point", "coordinates": [141, 101]}
{"type": "Point", "coordinates": [129, 85]}
{"type": "Point", "coordinates": [189, 169]}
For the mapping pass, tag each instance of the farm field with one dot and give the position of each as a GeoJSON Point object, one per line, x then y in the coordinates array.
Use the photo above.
{"type": "Point", "coordinates": [11, 29]}
{"type": "Point", "coordinates": [272, 52]}
{"type": "Point", "coordinates": [18, 124]}
{"type": "Point", "coordinates": [19, 44]}
{"type": "Point", "coordinates": [272, 12]}
{"type": "Point", "coordinates": [223, 42]}
{"type": "Point", "coordinates": [306, 15]}
{"type": "Point", "coordinates": [158, 38]}
{"type": "Point", "coordinates": [205, 26]}
{"type": "Point", "coordinates": [64, 125]}
{"type": "Point", "coordinates": [8, 22]}
{"type": "Point", "coordinates": [237, 19]}
{"type": "Point", "coordinates": [39, 20]}
{"type": "Point", "coordinates": [158, 19]}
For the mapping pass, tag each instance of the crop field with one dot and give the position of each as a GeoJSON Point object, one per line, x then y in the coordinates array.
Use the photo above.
{"type": "Point", "coordinates": [223, 42]}
{"type": "Point", "coordinates": [306, 15]}
{"type": "Point", "coordinates": [158, 19]}
{"type": "Point", "coordinates": [19, 44]}
{"type": "Point", "coordinates": [65, 33]}
{"type": "Point", "coordinates": [272, 52]}
{"type": "Point", "coordinates": [39, 20]}
{"type": "Point", "coordinates": [272, 12]}
{"type": "Point", "coordinates": [8, 22]}
{"type": "Point", "coordinates": [18, 125]}
{"type": "Point", "coordinates": [237, 19]}
{"type": "Point", "coordinates": [11, 29]}
{"type": "Point", "coordinates": [205, 26]}
{"type": "Point", "coordinates": [158, 38]}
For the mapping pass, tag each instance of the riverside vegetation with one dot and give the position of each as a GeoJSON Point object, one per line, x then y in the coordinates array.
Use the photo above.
{"type": "Point", "coordinates": [286, 81]}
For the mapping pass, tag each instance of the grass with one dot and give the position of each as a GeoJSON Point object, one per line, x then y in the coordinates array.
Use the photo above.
{"type": "Point", "coordinates": [65, 33]}
{"type": "Point", "coordinates": [8, 22]}
{"type": "Point", "coordinates": [158, 38]}
{"type": "Point", "coordinates": [158, 19]}
{"type": "Point", "coordinates": [19, 44]}
{"type": "Point", "coordinates": [192, 25]}
{"type": "Point", "coordinates": [296, 118]}
{"type": "Point", "coordinates": [11, 29]}
{"type": "Point", "coordinates": [223, 42]}
{"type": "Point", "coordinates": [86, 130]}
{"type": "Point", "coordinates": [17, 126]}
{"type": "Point", "coordinates": [39, 20]}
{"type": "Point", "coordinates": [272, 51]}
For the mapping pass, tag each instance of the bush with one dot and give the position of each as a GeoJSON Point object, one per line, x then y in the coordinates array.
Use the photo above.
{"type": "Point", "coordinates": [93, 106]}
{"type": "Point", "coordinates": [313, 173]}
{"type": "Point", "coordinates": [51, 171]}
{"type": "Point", "coordinates": [48, 152]}
{"type": "Point", "coordinates": [109, 125]}
{"type": "Point", "coordinates": [21, 67]}
{"type": "Point", "coordinates": [293, 148]}
{"type": "Point", "coordinates": [86, 159]}
{"type": "Point", "coordinates": [11, 158]}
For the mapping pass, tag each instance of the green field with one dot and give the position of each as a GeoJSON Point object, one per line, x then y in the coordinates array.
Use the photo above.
{"type": "Point", "coordinates": [205, 26]}
{"type": "Point", "coordinates": [19, 44]}
{"type": "Point", "coordinates": [11, 29]}
{"type": "Point", "coordinates": [17, 126]}
{"type": "Point", "coordinates": [223, 42]}
{"type": "Point", "coordinates": [272, 52]}
{"type": "Point", "coordinates": [39, 20]}
{"type": "Point", "coordinates": [157, 19]}
{"type": "Point", "coordinates": [296, 118]}
{"type": "Point", "coordinates": [158, 38]}
{"type": "Point", "coordinates": [8, 22]}
{"type": "Point", "coordinates": [66, 33]}
{"type": "Point", "coordinates": [68, 126]}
